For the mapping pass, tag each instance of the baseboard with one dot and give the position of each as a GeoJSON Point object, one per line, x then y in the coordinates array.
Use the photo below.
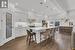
{"type": "Point", "coordinates": [9, 39]}
{"type": "Point", "coordinates": [6, 40]}
{"type": "Point", "coordinates": [21, 36]}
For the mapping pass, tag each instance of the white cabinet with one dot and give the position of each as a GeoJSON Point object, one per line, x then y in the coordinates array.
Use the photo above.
{"type": "Point", "coordinates": [20, 29]}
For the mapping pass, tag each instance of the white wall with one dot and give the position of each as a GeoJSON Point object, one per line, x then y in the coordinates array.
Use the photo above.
{"type": "Point", "coordinates": [15, 32]}
{"type": "Point", "coordinates": [3, 25]}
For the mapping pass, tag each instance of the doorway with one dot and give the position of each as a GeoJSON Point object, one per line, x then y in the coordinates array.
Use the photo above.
{"type": "Point", "coordinates": [8, 25]}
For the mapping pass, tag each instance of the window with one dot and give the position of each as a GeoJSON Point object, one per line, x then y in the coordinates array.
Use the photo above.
{"type": "Point", "coordinates": [3, 3]}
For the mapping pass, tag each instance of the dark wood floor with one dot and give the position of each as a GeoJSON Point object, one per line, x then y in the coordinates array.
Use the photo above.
{"type": "Point", "coordinates": [61, 42]}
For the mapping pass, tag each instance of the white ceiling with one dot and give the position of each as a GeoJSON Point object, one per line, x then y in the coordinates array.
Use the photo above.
{"type": "Point", "coordinates": [54, 6]}
{"type": "Point", "coordinates": [66, 4]}
{"type": "Point", "coordinates": [28, 5]}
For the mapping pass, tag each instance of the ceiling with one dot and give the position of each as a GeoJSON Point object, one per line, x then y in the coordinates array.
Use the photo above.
{"type": "Point", "coordinates": [67, 5]}
{"type": "Point", "coordinates": [51, 7]}
{"type": "Point", "coordinates": [48, 8]}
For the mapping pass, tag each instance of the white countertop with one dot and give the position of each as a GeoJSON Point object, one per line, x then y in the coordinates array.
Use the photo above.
{"type": "Point", "coordinates": [40, 28]}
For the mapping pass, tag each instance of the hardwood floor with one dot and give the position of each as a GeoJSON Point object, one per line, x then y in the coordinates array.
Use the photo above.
{"type": "Point", "coordinates": [61, 42]}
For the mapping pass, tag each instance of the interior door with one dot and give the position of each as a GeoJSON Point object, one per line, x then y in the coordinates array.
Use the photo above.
{"type": "Point", "coordinates": [8, 25]}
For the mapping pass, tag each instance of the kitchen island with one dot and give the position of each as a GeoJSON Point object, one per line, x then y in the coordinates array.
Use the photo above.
{"type": "Point", "coordinates": [65, 29]}
{"type": "Point", "coordinates": [38, 30]}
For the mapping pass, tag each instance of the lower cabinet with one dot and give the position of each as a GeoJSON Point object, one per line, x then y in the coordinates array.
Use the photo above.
{"type": "Point", "coordinates": [65, 30]}
{"type": "Point", "coordinates": [20, 32]}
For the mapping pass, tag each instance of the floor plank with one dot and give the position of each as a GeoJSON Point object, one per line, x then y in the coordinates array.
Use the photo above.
{"type": "Point", "coordinates": [61, 42]}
